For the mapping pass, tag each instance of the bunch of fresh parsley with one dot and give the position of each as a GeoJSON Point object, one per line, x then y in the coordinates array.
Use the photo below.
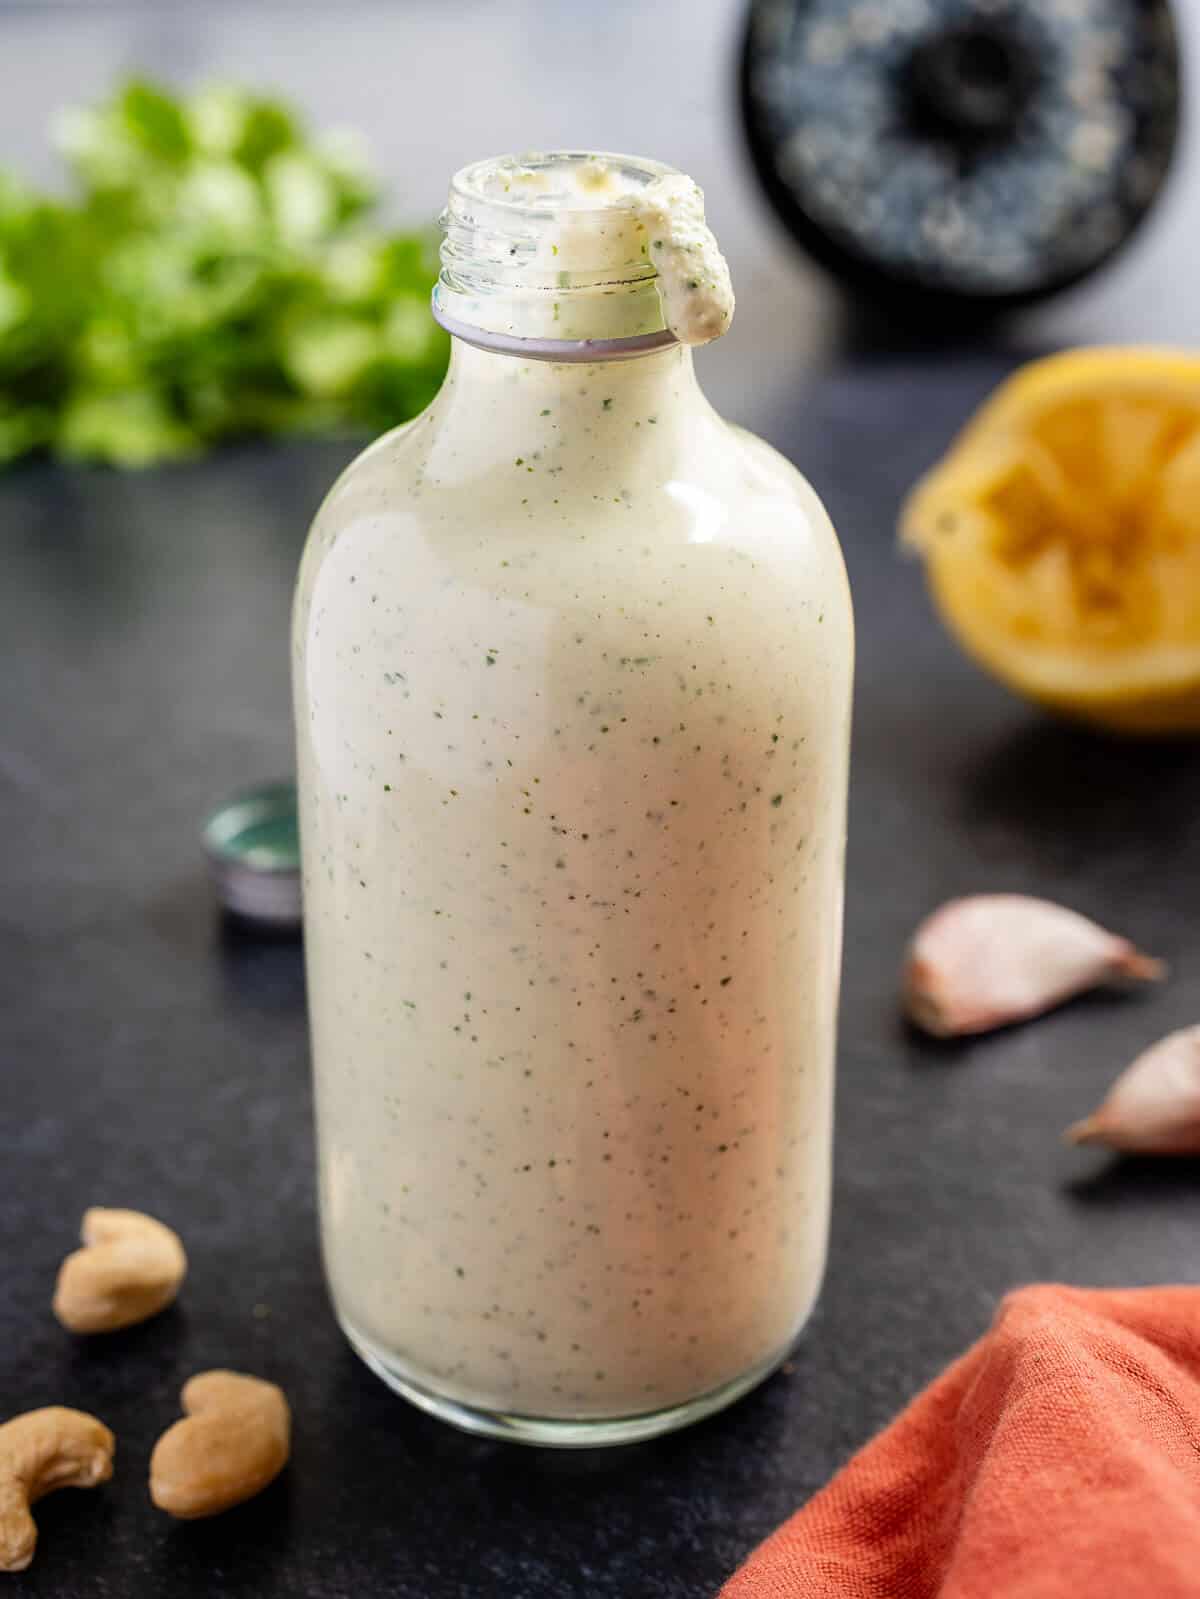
{"type": "Point", "coordinates": [214, 275]}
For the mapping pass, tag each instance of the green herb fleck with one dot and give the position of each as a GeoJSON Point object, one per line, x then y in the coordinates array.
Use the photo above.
{"type": "Point", "coordinates": [777, 800]}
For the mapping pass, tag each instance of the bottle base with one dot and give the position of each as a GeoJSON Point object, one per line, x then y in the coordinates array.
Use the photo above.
{"type": "Point", "coordinates": [559, 1433]}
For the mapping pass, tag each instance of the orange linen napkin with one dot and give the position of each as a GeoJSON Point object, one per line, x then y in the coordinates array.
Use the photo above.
{"type": "Point", "coordinates": [1059, 1458]}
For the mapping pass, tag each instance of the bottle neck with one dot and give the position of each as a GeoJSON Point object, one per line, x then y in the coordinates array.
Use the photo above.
{"type": "Point", "coordinates": [550, 249]}
{"type": "Point", "coordinates": [531, 422]}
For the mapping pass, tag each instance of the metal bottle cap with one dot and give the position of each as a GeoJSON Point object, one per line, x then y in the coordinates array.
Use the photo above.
{"type": "Point", "coordinates": [253, 848]}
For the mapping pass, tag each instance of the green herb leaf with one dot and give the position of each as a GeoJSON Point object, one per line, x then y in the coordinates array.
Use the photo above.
{"type": "Point", "coordinates": [214, 274]}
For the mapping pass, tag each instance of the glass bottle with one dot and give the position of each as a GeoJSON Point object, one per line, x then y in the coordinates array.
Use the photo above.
{"type": "Point", "coordinates": [572, 664]}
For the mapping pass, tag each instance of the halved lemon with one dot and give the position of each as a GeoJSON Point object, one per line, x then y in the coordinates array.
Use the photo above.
{"type": "Point", "coordinates": [1061, 536]}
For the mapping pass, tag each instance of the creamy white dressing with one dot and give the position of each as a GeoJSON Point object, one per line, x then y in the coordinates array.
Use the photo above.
{"type": "Point", "coordinates": [572, 670]}
{"type": "Point", "coordinates": [693, 276]}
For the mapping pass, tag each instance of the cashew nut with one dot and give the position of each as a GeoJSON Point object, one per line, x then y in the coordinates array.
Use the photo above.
{"type": "Point", "coordinates": [39, 1452]}
{"type": "Point", "coordinates": [233, 1440]}
{"type": "Point", "coordinates": [130, 1268]}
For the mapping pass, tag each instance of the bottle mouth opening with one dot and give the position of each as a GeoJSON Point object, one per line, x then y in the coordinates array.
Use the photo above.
{"type": "Point", "coordinates": [550, 248]}
{"type": "Point", "coordinates": [551, 182]}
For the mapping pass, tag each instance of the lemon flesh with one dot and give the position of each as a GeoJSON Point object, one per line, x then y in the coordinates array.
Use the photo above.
{"type": "Point", "coordinates": [1061, 536]}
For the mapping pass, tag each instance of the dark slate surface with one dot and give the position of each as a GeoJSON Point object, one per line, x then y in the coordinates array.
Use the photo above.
{"type": "Point", "coordinates": [150, 1058]}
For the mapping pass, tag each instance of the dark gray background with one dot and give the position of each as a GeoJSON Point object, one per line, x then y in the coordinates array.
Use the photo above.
{"type": "Point", "coordinates": [150, 1056]}
{"type": "Point", "coordinates": [436, 83]}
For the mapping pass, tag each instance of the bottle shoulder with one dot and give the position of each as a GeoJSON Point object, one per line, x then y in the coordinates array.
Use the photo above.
{"type": "Point", "coordinates": [410, 471]}
{"type": "Point", "coordinates": [378, 466]}
{"type": "Point", "coordinates": [571, 519]}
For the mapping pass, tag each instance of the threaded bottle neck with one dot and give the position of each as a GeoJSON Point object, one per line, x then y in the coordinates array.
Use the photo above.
{"type": "Point", "coordinates": [549, 254]}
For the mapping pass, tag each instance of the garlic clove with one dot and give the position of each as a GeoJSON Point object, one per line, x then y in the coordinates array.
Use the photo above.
{"type": "Point", "coordinates": [1153, 1108]}
{"type": "Point", "coordinates": [991, 959]}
